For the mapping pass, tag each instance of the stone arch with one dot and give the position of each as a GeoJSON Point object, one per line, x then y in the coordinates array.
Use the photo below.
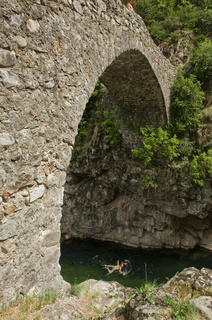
{"type": "Point", "coordinates": [51, 55]}
{"type": "Point", "coordinates": [134, 85]}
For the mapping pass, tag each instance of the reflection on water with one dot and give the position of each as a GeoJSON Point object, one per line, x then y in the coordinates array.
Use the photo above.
{"type": "Point", "coordinates": [85, 259]}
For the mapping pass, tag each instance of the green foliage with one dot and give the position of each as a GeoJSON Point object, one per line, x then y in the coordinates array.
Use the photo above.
{"type": "Point", "coordinates": [147, 290]}
{"type": "Point", "coordinates": [148, 181]}
{"type": "Point", "coordinates": [95, 116]}
{"type": "Point", "coordinates": [181, 310]}
{"type": "Point", "coordinates": [204, 21]}
{"type": "Point", "coordinates": [187, 15]}
{"type": "Point", "coordinates": [157, 31]}
{"type": "Point", "coordinates": [91, 108]}
{"type": "Point", "coordinates": [112, 132]}
{"type": "Point", "coordinates": [187, 101]}
{"type": "Point", "coordinates": [202, 61]}
{"type": "Point", "coordinates": [156, 144]}
{"type": "Point", "coordinates": [176, 153]}
{"type": "Point", "coordinates": [173, 15]}
{"type": "Point", "coordinates": [176, 35]}
{"type": "Point", "coordinates": [156, 10]}
{"type": "Point", "coordinates": [200, 166]}
{"type": "Point", "coordinates": [186, 148]}
{"type": "Point", "coordinates": [76, 290]}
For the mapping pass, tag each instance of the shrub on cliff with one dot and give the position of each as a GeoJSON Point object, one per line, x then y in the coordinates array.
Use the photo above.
{"type": "Point", "coordinates": [201, 62]}
{"type": "Point", "coordinates": [156, 144]}
{"type": "Point", "coordinates": [200, 166]}
{"type": "Point", "coordinates": [186, 105]}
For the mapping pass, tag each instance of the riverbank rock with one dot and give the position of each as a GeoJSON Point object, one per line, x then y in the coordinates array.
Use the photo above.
{"type": "Point", "coordinates": [191, 287]}
{"type": "Point", "coordinates": [111, 301]}
{"type": "Point", "coordinates": [92, 299]}
{"type": "Point", "coordinates": [65, 309]}
{"type": "Point", "coordinates": [190, 283]}
{"type": "Point", "coordinates": [204, 305]}
{"type": "Point", "coordinates": [98, 298]}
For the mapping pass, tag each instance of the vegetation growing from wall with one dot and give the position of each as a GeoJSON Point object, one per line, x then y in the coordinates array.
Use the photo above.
{"type": "Point", "coordinates": [105, 121]}
{"type": "Point", "coordinates": [112, 131]}
{"type": "Point", "coordinates": [173, 147]}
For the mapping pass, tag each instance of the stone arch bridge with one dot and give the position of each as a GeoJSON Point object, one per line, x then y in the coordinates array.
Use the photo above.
{"type": "Point", "coordinates": [51, 55]}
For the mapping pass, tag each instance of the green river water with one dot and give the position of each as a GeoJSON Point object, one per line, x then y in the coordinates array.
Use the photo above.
{"type": "Point", "coordinates": [85, 259]}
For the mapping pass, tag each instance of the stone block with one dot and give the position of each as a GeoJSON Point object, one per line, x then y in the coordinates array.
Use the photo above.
{"type": "Point", "coordinates": [37, 193]}
{"type": "Point", "coordinates": [50, 239]}
{"type": "Point", "coordinates": [204, 306]}
{"type": "Point", "coordinates": [7, 58]}
{"type": "Point", "coordinates": [10, 79]}
{"type": "Point", "coordinates": [21, 41]}
{"type": "Point", "coordinates": [6, 139]}
{"type": "Point", "coordinates": [9, 229]}
{"type": "Point", "coordinates": [33, 25]}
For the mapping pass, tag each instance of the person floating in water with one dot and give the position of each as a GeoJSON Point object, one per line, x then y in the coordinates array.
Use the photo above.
{"type": "Point", "coordinates": [111, 268]}
{"type": "Point", "coordinates": [130, 4]}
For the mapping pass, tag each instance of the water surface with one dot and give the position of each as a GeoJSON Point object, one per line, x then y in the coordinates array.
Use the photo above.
{"type": "Point", "coordinates": [85, 259]}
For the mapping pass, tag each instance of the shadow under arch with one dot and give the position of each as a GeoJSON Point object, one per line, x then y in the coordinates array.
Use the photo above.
{"type": "Point", "coordinates": [133, 84]}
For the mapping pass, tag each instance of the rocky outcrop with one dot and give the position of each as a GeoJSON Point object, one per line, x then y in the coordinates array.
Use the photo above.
{"type": "Point", "coordinates": [181, 289]}
{"type": "Point", "coordinates": [112, 301]}
{"type": "Point", "coordinates": [64, 309]}
{"type": "Point", "coordinates": [180, 51]}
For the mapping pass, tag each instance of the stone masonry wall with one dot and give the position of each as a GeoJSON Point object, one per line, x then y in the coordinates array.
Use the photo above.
{"type": "Point", "coordinates": [51, 56]}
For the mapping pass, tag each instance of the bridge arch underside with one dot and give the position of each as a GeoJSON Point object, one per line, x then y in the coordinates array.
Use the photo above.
{"type": "Point", "coordinates": [135, 87]}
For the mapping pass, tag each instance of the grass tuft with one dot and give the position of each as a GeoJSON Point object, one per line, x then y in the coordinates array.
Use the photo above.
{"type": "Point", "coordinates": [24, 308]}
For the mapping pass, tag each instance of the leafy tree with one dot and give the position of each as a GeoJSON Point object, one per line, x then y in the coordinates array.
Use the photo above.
{"type": "Point", "coordinates": [156, 144]}
{"type": "Point", "coordinates": [187, 100]}
{"type": "Point", "coordinates": [204, 21]}
{"type": "Point", "coordinates": [200, 166]}
{"type": "Point", "coordinates": [157, 31]}
{"type": "Point", "coordinates": [202, 62]}
{"type": "Point", "coordinates": [187, 15]}
{"type": "Point", "coordinates": [172, 15]}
